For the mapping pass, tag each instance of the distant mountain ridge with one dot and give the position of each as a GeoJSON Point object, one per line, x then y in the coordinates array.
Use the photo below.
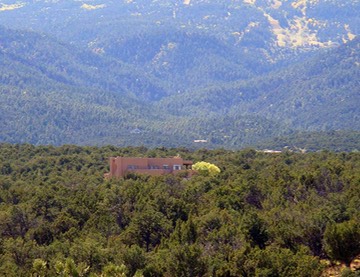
{"type": "Point", "coordinates": [296, 24]}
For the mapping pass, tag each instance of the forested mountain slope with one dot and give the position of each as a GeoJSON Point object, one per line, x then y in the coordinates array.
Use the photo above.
{"type": "Point", "coordinates": [54, 93]}
{"type": "Point", "coordinates": [51, 93]}
{"type": "Point", "coordinates": [185, 60]}
{"type": "Point", "coordinates": [67, 64]}
{"type": "Point", "coordinates": [164, 73]}
{"type": "Point", "coordinates": [320, 93]}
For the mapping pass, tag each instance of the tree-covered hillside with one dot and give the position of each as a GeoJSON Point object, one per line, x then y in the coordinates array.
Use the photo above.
{"type": "Point", "coordinates": [186, 60]}
{"type": "Point", "coordinates": [39, 60]}
{"type": "Point", "coordinates": [264, 214]}
{"type": "Point", "coordinates": [54, 93]}
{"type": "Point", "coordinates": [319, 93]}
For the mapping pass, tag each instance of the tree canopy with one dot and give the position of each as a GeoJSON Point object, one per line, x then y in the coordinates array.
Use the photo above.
{"type": "Point", "coordinates": [206, 168]}
{"type": "Point", "coordinates": [262, 215]}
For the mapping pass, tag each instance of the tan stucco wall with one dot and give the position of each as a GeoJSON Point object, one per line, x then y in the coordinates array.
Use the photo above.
{"type": "Point", "coordinates": [119, 166]}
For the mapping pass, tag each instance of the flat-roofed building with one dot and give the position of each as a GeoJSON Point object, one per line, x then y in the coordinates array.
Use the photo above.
{"type": "Point", "coordinates": [121, 166]}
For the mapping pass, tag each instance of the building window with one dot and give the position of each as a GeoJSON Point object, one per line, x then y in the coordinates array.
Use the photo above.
{"type": "Point", "coordinates": [130, 166]}
{"type": "Point", "coordinates": [177, 167]}
{"type": "Point", "coordinates": [165, 166]}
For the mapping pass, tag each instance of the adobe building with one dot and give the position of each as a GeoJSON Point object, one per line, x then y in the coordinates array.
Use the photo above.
{"type": "Point", "coordinates": [120, 166]}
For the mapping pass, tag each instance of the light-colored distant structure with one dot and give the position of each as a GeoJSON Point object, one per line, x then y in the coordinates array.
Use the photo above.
{"type": "Point", "coordinates": [200, 141]}
{"type": "Point", "coordinates": [271, 151]}
{"type": "Point", "coordinates": [121, 166]}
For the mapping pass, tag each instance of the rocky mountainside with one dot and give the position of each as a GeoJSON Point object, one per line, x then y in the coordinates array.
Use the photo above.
{"type": "Point", "coordinates": [270, 25]}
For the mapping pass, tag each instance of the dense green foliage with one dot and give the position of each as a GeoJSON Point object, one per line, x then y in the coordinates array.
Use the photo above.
{"type": "Point", "coordinates": [263, 215]}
